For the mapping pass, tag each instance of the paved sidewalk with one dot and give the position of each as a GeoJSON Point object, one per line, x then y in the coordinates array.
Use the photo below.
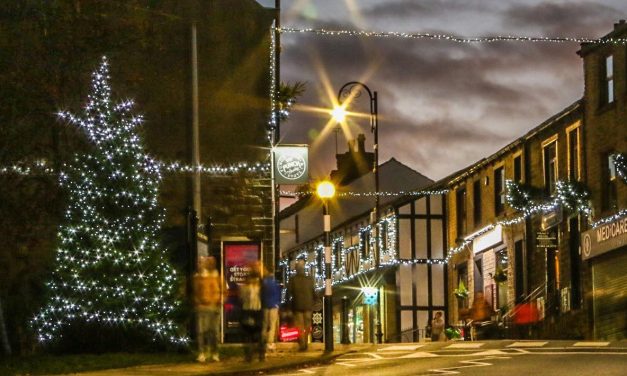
{"type": "Point", "coordinates": [285, 357]}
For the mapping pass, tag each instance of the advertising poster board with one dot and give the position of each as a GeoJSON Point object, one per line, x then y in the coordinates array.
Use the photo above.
{"type": "Point", "coordinates": [237, 259]}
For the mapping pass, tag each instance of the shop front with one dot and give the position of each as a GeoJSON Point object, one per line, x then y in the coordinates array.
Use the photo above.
{"type": "Point", "coordinates": [605, 248]}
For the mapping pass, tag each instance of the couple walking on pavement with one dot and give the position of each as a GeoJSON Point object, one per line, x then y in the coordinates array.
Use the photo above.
{"type": "Point", "coordinates": [260, 299]}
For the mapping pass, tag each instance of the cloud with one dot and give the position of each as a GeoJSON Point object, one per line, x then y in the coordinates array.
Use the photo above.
{"type": "Point", "coordinates": [575, 19]}
{"type": "Point", "coordinates": [444, 105]}
{"type": "Point", "coordinates": [412, 8]}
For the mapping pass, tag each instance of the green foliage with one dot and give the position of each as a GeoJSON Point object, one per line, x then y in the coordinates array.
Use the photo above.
{"type": "Point", "coordinates": [452, 333]}
{"type": "Point", "coordinates": [461, 291]}
{"type": "Point", "coordinates": [499, 275]}
{"type": "Point", "coordinates": [286, 98]}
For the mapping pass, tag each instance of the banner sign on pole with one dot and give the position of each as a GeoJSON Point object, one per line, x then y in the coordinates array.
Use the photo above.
{"type": "Point", "coordinates": [291, 164]}
{"type": "Point", "coordinates": [238, 258]}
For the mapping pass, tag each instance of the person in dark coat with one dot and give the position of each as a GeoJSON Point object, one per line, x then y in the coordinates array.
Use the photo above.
{"type": "Point", "coordinates": [270, 301]}
{"type": "Point", "coordinates": [301, 290]}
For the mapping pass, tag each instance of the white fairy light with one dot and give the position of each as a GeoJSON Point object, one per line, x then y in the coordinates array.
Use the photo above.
{"type": "Point", "coordinates": [112, 225]}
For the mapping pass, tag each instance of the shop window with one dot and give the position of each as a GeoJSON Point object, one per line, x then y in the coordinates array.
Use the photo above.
{"type": "Point", "coordinates": [476, 202]}
{"type": "Point", "coordinates": [337, 252]}
{"type": "Point", "coordinates": [499, 191]}
{"type": "Point", "coordinates": [384, 237]}
{"type": "Point", "coordinates": [460, 204]}
{"type": "Point", "coordinates": [365, 244]}
{"type": "Point", "coordinates": [320, 261]}
{"type": "Point", "coordinates": [519, 271]}
{"type": "Point", "coordinates": [462, 280]}
{"type": "Point", "coordinates": [575, 263]}
{"type": "Point", "coordinates": [500, 278]}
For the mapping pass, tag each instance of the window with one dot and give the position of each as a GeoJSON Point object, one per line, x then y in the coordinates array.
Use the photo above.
{"type": "Point", "coordinates": [609, 179]}
{"type": "Point", "coordinates": [573, 154]}
{"type": "Point", "coordinates": [365, 244]}
{"type": "Point", "coordinates": [337, 251]}
{"type": "Point", "coordinates": [575, 263]}
{"type": "Point", "coordinates": [319, 261]}
{"type": "Point", "coordinates": [518, 168]}
{"type": "Point", "coordinates": [462, 279]}
{"type": "Point", "coordinates": [519, 272]}
{"type": "Point", "coordinates": [499, 191]}
{"type": "Point", "coordinates": [460, 203]}
{"type": "Point", "coordinates": [500, 277]}
{"type": "Point", "coordinates": [384, 238]}
{"type": "Point", "coordinates": [476, 202]}
{"type": "Point", "coordinates": [549, 155]}
{"type": "Point", "coordinates": [607, 78]}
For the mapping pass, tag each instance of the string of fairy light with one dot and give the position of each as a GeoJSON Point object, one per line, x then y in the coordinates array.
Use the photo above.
{"type": "Point", "coordinates": [44, 167]}
{"type": "Point", "coordinates": [567, 195]}
{"type": "Point", "coordinates": [447, 37]}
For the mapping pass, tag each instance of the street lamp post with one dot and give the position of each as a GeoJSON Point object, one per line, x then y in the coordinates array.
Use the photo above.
{"type": "Point", "coordinates": [348, 91]}
{"type": "Point", "coordinates": [326, 191]}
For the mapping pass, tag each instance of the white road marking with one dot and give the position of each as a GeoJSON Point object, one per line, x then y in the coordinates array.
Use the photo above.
{"type": "Point", "coordinates": [527, 344]}
{"type": "Point", "coordinates": [490, 352]}
{"type": "Point", "coordinates": [401, 348]}
{"type": "Point", "coordinates": [473, 363]}
{"type": "Point", "coordinates": [591, 344]}
{"type": "Point", "coordinates": [346, 364]}
{"type": "Point", "coordinates": [473, 345]}
{"type": "Point", "coordinates": [419, 354]}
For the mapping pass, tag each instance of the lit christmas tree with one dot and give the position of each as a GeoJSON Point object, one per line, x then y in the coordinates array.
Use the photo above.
{"type": "Point", "coordinates": [110, 272]}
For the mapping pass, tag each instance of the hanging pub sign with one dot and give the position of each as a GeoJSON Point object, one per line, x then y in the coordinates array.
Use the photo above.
{"type": "Point", "coordinates": [546, 239]}
{"type": "Point", "coordinates": [291, 164]}
{"type": "Point", "coordinates": [551, 218]}
{"type": "Point", "coordinates": [238, 260]}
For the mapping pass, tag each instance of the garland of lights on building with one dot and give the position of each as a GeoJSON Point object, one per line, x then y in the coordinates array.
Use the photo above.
{"type": "Point", "coordinates": [313, 253]}
{"type": "Point", "coordinates": [110, 270]}
{"type": "Point", "coordinates": [572, 196]}
{"type": "Point", "coordinates": [620, 163]}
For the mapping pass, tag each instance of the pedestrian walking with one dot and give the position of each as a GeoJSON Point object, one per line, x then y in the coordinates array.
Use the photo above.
{"type": "Point", "coordinates": [437, 327]}
{"type": "Point", "coordinates": [301, 290]}
{"type": "Point", "coordinates": [271, 299]}
{"type": "Point", "coordinates": [251, 317]}
{"type": "Point", "coordinates": [206, 284]}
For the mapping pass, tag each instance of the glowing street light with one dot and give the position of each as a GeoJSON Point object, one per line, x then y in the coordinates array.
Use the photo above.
{"type": "Point", "coordinates": [339, 114]}
{"type": "Point", "coordinates": [349, 91]}
{"type": "Point", "coordinates": [326, 191]}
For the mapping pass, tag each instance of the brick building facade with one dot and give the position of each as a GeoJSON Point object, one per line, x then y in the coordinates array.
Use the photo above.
{"type": "Point", "coordinates": [605, 241]}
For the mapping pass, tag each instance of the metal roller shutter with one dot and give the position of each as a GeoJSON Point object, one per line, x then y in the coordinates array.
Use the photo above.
{"type": "Point", "coordinates": [609, 280]}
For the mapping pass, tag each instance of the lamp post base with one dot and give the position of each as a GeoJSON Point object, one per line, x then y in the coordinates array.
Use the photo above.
{"type": "Point", "coordinates": [328, 323]}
